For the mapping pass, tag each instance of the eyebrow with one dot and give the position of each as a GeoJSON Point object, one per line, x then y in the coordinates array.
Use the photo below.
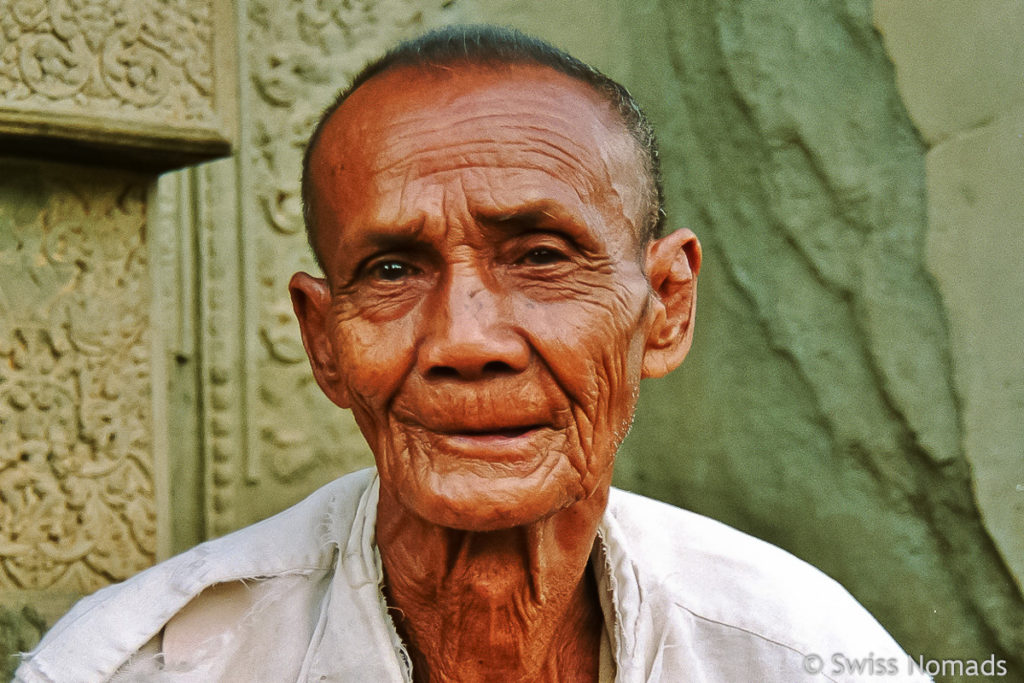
{"type": "Point", "coordinates": [385, 237]}
{"type": "Point", "coordinates": [377, 239]}
{"type": "Point", "coordinates": [389, 240]}
{"type": "Point", "coordinates": [542, 214]}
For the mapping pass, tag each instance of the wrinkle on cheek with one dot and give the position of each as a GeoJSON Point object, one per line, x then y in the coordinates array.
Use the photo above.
{"type": "Point", "coordinates": [373, 429]}
{"type": "Point", "coordinates": [376, 304]}
{"type": "Point", "coordinates": [601, 381]}
{"type": "Point", "coordinates": [607, 424]}
{"type": "Point", "coordinates": [382, 309]}
{"type": "Point", "coordinates": [341, 310]}
{"type": "Point", "coordinates": [390, 451]}
{"type": "Point", "coordinates": [381, 367]}
{"type": "Point", "coordinates": [584, 426]}
{"type": "Point", "coordinates": [587, 289]}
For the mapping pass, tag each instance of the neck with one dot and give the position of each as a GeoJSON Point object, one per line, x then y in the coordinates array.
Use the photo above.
{"type": "Point", "coordinates": [511, 605]}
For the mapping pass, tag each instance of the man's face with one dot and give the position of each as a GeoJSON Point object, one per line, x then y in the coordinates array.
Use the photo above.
{"type": "Point", "coordinates": [487, 309]}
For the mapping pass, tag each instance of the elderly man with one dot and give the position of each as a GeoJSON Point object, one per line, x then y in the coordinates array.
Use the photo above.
{"type": "Point", "coordinates": [486, 210]}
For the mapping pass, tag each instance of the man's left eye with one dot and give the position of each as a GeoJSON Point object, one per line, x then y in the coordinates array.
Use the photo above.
{"type": "Point", "coordinates": [543, 256]}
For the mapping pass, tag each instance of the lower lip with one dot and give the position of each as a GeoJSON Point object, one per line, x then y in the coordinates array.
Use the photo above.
{"type": "Point", "coordinates": [493, 446]}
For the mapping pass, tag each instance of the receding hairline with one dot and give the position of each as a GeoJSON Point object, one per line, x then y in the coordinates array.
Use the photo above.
{"type": "Point", "coordinates": [496, 48]}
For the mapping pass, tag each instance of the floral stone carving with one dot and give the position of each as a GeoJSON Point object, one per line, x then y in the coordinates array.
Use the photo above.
{"type": "Point", "coordinates": [77, 504]}
{"type": "Point", "coordinates": [94, 70]}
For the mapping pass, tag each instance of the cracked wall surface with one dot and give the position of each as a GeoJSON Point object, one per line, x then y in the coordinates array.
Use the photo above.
{"type": "Point", "coordinates": [847, 363]}
{"type": "Point", "coordinates": [960, 72]}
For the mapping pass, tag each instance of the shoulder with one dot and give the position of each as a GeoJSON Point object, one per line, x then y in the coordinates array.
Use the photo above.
{"type": "Point", "coordinates": [104, 629]}
{"type": "Point", "coordinates": [303, 537]}
{"type": "Point", "coordinates": [683, 550]}
{"type": "Point", "coordinates": [721, 585]}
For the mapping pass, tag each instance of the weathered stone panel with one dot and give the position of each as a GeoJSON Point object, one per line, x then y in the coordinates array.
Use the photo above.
{"type": "Point", "coordinates": [77, 500]}
{"type": "Point", "coordinates": [963, 84]}
{"type": "Point", "coordinates": [144, 78]}
{"type": "Point", "coordinates": [958, 65]}
{"type": "Point", "coordinates": [86, 422]}
{"type": "Point", "coordinates": [77, 480]}
{"type": "Point", "coordinates": [975, 253]}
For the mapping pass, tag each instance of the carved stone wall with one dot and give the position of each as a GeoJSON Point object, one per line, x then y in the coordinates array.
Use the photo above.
{"type": "Point", "coordinates": [77, 502]}
{"type": "Point", "coordinates": [76, 475]}
{"type": "Point", "coordinates": [116, 75]}
{"type": "Point", "coordinates": [86, 388]}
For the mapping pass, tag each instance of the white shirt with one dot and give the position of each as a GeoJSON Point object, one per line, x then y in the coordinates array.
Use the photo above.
{"type": "Point", "coordinates": [684, 598]}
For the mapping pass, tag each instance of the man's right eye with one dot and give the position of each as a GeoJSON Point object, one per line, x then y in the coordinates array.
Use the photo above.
{"type": "Point", "coordinates": [391, 270]}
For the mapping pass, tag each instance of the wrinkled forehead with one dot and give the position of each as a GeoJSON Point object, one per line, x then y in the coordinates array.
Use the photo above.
{"type": "Point", "coordinates": [410, 122]}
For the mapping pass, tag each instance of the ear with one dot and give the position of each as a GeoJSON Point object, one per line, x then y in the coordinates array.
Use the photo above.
{"type": "Point", "coordinates": [672, 266]}
{"type": "Point", "coordinates": [311, 299]}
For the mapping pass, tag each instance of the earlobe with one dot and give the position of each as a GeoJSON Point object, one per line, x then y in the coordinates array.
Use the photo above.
{"type": "Point", "coordinates": [311, 300]}
{"type": "Point", "coordinates": [672, 266]}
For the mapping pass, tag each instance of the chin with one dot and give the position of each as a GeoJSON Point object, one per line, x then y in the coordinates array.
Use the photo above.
{"type": "Point", "coordinates": [491, 505]}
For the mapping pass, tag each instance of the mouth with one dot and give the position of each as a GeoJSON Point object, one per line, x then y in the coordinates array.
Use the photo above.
{"type": "Point", "coordinates": [496, 433]}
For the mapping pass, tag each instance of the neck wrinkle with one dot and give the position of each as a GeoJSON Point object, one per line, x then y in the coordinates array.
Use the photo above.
{"type": "Point", "coordinates": [471, 605]}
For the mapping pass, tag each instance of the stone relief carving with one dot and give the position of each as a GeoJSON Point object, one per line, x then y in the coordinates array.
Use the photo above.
{"type": "Point", "coordinates": [223, 311]}
{"type": "Point", "coordinates": [77, 506]}
{"type": "Point", "coordinates": [137, 59]}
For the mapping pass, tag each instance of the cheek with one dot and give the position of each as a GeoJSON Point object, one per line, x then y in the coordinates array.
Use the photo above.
{"type": "Point", "coordinates": [595, 352]}
{"type": "Point", "coordinates": [374, 358]}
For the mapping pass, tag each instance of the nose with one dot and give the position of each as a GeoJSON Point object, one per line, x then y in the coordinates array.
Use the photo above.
{"type": "Point", "coordinates": [469, 332]}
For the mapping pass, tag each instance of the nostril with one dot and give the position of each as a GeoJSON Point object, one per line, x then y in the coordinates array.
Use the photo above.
{"type": "Point", "coordinates": [442, 372]}
{"type": "Point", "coordinates": [497, 367]}
{"type": "Point", "coordinates": [494, 367]}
